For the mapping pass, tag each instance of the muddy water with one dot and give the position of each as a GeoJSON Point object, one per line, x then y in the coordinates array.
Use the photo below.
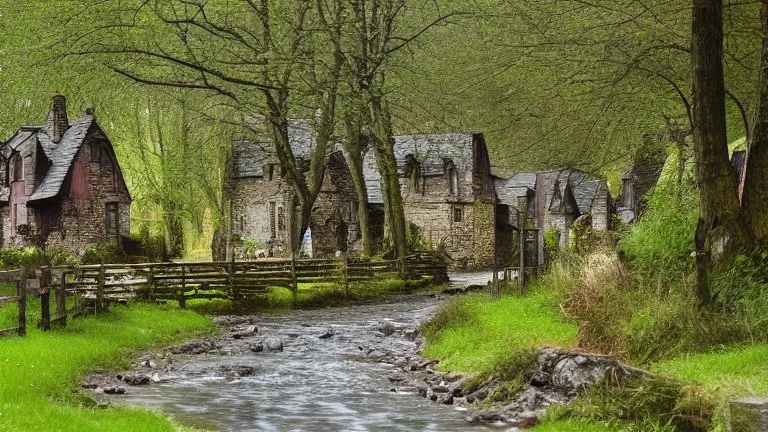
{"type": "Point", "coordinates": [316, 384]}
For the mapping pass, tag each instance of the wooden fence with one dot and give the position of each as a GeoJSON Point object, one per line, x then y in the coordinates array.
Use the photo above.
{"type": "Point", "coordinates": [96, 286]}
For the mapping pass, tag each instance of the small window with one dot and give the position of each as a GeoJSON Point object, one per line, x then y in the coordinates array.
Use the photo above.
{"type": "Point", "coordinates": [272, 224]}
{"type": "Point", "coordinates": [458, 214]}
{"type": "Point", "coordinates": [95, 150]}
{"type": "Point", "coordinates": [18, 168]}
{"type": "Point", "coordinates": [453, 177]}
{"type": "Point", "coordinates": [281, 218]}
{"type": "Point", "coordinates": [271, 172]}
{"type": "Point", "coordinates": [111, 220]}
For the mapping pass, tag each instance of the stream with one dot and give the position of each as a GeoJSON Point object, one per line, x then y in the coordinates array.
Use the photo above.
{"type": "Point", "coordinates": [315, 384]}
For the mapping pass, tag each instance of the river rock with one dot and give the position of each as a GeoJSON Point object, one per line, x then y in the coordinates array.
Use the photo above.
{"type": "Point", "coordinates": [196, 347]}
{"type": "Point", "coordinates": [274, 345]}
{"type": "Point", "coordinates": [135, 379]}
{"type": "Point", "coordinates": [256, 347]}
{"type": "Point", "coordinates": [329, 332]}
{"type": "Point", "coordinates": [237, 370]}
{"type": "Point", "coordinates": [386, 327]}
{"type": "Point", "coordinates": [247, 331]}
{"type": "Point", "coordinates": [114, 390]}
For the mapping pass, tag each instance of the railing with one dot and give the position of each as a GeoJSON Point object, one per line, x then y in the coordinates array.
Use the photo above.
{"type": "Point", "coordinates": [97, 286]}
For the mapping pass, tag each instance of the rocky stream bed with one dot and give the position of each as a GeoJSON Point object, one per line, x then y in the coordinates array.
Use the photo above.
{"type": "Point", "coordinates": [355, 368]}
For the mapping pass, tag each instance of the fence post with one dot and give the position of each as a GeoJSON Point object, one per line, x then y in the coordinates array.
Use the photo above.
{"type": "Point", "coordinates": [345, 268]}
{"type": "Point", "coordinates": [100, 289]}
{"type": "Point", "coordinates": [182, 300]}
{"type": "Point", "coordinates": [21, 292]}
{"type": "Point", "coordinates": [61, 301]}
{"type": "Point", "coordinates": [231, 277]}
{"type": "Point", "coordinates": [151, 283]}
{"type": "Point", "coordinates": [294, 279]}
{"type": "Point", "coordinates": [45, 298]}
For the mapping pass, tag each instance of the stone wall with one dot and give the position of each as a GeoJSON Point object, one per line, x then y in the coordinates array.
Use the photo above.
{"type": "Point", "coordinates": [336, 204]}
{"type": "Point", "coordinates": [256, 205]}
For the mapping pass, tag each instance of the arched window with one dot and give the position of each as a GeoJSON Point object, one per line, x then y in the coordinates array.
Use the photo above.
{"type": "Point", "coordinates": [453, 177]}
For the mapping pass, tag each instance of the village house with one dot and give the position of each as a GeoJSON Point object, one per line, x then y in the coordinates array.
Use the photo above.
{"type": "Point", "coordinates": [448, 195]}
{"type": "Point", "coordinates": [445, 180]}
{"type": "Point", "coordinates": [261, 198]}
{"type": "Point", "coordinates": [553, 200]}
{"type": "Point", "coordinates": [450, 198]}
{"type": "Point", "coordinates": [61, 185]}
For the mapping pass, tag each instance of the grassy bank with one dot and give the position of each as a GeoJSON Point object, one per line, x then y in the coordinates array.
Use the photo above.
{"type": "Point", "coordinates": [312, 295]}
{"type": "Point", "coordinates": [474, 334]}
{"type": "Point", "coordinates": [39, 374]}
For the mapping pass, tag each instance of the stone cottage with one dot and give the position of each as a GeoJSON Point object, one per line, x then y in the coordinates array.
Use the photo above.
{"type": "Point", "coordinates": [261, 198]}
{"type": "Point", "coordinates": [445, 180]}
{"type": "Point", "coordinates": [448, 194]}
{"type": "Point", "coordinates": [555, 200]}
{"type": "Point", "coordinates": [61, 185]}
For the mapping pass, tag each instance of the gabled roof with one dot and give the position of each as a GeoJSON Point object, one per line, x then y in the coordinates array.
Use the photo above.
{"type": "Point", "coordinates": [432, 151]}
{"type": "Point", "coordinates": [250, 157]}
{"type": "Point", "coordinates": [61, 156]}
{"type": "Point", "coordinates": [580, 185]}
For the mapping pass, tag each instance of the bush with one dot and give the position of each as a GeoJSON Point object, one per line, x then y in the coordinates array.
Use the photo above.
{"type": "Point", "coordinates": [659, 246]}
{"type": "Point", "coordinates": [105, 253]}
{"type": "Point", "coordinates": [34, 257]}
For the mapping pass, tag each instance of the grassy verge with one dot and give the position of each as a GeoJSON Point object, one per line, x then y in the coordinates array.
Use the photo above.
{"type": "Point", "coordinates": [473, 334]}
{"type": "Point", "coordinates": [39, 374]}
{"type": "Point", "coordinates": [309, 296]}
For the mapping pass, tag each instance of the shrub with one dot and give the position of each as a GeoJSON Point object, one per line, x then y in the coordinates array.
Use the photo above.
{"type": "Point", "coordinates": [659, 246]}
{"type": "Point", "coordinates": [105, 253]}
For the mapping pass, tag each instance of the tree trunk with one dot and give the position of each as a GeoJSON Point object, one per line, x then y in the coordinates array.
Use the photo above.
{"type": "Point", "coordinates": [719, 229]}
{"type": "Point", "coordinates": [353, 153]}
{"type": "Point", "coordinates": [755, 194]}
{"type": "Point", "coordinates": [390, 182]}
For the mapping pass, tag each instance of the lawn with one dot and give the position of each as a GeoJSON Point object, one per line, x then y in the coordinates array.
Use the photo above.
{"type": "Point", "coordinates": [477, 332]}
{"type": "Point", "coordinates": [734, 371]}
{"type": "Point", "coordinates": [39, 374]}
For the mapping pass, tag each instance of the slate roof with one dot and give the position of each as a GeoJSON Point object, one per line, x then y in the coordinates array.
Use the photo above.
{"type": "Point", "coordinates": [583, 188]}
{"type": "Point", "coordinates": [432, 151]}
{"type": "Point", "coordinates": [520, 184]}
{"type": "Point", "coordinates": [61, 155]}
{"type": "Point", "coordinates": [250, 157]}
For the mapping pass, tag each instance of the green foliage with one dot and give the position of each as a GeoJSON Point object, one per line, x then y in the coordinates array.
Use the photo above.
{"type": "Point", "coordinates": [644, 404]}
{"type": "Point", "coordinates": [474, 334]}
{"type": "Point", "coordinates": [104, 253]}
{"type": "Point", "coordinates": [40, 374]}
{"type": "Point", "coordinates": [659, 246]}
{"type": "Point", "coordinates": [13, 258]}
{"type": "Point", "coordinates": [414, 237]}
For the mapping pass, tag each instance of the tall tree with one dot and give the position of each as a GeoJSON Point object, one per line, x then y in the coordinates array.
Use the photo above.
{"type": "Point", "coordinates": [719, 231]}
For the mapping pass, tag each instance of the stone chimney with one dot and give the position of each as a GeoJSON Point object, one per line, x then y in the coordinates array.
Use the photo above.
{"type": "Point", "coordinates": [58, 123]}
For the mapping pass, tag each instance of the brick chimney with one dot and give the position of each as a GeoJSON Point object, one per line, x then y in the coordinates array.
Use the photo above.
{"type": "Point", "coordinates": [58, 123]}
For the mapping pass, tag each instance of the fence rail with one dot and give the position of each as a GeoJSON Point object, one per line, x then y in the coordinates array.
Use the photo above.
{"type": "Point", "coordinates": [97, 286]}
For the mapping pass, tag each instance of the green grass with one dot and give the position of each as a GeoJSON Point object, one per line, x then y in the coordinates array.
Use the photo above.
{"type": "Point", "coordinates": [472, 334]}
{"type": "Point", "coordinates": [39, 374]}
{"type": "Point", "coordinates": [573, 425]}
{"type": "Point", "coordinates": [309, 296]}
{"type": "Point", "coordinates": [735, 371]}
